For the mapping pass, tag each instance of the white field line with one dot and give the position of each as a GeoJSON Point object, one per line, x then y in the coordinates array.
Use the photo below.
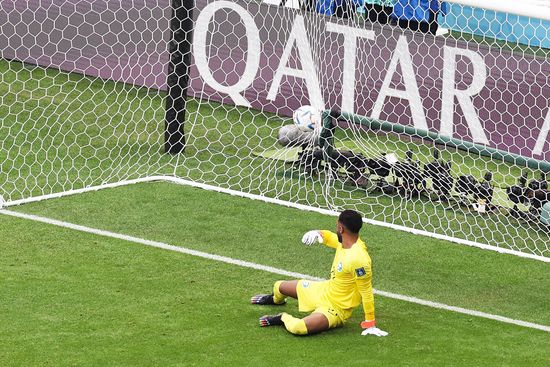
{"type": "Point", "coordinates": [266, 268]}
{"type": "Point", "coordinates": [278, 202]}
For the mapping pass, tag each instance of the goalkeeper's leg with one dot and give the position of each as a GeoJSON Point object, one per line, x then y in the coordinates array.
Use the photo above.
{"type": "Point", "coordinates": [312, 324]}
{"type": "Point", "coordinates": [281, 289]}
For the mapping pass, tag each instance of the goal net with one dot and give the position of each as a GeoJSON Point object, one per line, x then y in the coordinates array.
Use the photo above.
{"type": "Point", "coordinates": [441, 134]}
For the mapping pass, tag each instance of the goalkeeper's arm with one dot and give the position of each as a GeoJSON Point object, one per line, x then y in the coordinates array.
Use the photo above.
{"type": "Point", "coordinates": [363, 279]}
{"type": "Point", "coordinates": [327, 238]}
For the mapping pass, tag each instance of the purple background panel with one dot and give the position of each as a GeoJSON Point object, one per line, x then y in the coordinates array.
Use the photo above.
{"type": "Point", "coordinates": [118, 40]}
{"type": "Point", "coordinates": [126, 41]}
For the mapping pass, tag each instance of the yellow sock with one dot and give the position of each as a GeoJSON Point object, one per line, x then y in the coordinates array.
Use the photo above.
{"type": "Point", "coordinates": [278, 297]}
{"type": "Point", "coordinates": [294, 325]}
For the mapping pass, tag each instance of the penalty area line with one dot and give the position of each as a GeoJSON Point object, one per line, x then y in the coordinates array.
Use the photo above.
{"type": "Point", "coordinates": [270, 269]}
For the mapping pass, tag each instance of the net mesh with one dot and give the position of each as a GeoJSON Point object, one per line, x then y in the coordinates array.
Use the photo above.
{"type": "Point", "coordinates": [83, 96]}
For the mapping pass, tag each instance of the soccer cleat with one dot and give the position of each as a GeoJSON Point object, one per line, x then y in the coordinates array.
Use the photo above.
{"type": "Point", "coordinates": [264, 299]}
{"type": "Point", "coordinates": [271, 320]}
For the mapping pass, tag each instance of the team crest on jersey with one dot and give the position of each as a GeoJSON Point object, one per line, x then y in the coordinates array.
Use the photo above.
{"type": "Point", "coordinates": [360, 272]}
{"type": "Point", "coordinates": [305, 284]}
{"type": "Point", "coordinates": [339, 267]}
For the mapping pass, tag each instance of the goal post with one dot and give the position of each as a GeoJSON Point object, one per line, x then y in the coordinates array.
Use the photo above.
{"type": "Point", "coordinates": [179, 47]}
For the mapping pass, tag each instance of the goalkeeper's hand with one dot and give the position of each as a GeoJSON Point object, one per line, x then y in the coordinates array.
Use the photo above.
{"type": "Point", "coordinates": [310, 237]}
{"type": "Point", "coordinates": [374, 331]}
{"type": "Point", "coordinates": [370, 328]}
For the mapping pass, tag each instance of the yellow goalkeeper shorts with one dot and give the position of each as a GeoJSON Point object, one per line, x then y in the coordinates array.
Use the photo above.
{"type": "Point", "coordinates": [311, 297]}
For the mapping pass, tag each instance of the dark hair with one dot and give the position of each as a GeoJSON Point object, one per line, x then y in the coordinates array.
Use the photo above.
{"type": "Point", "coordinates": [351, 220]}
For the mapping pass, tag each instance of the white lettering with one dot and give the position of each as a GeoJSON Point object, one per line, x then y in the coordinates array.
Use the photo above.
{"type": "Point", "coordinates": [463, 95]}
{"type": "Point", "coordinates": [298, 35]}
{"type": "Point", "coordinates": [543, 135]}
{"type": "Point", "coordinates": [253, 51]}
{"type": "Point", "coordinates": [350, 46]}
{"type": "Point", "coordinates": [402, 56]}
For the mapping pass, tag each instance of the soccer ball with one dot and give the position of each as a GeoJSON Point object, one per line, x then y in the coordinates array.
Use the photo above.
{"type": "Point", "coordinates": [307, 118]}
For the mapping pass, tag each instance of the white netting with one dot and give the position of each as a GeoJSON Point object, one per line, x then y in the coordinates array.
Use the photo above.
{"type": "Point", "coordinates": [83, 102]}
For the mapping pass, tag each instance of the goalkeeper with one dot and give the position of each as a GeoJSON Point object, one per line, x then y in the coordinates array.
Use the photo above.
{"type": "Point", "coordinates": [332, 301]}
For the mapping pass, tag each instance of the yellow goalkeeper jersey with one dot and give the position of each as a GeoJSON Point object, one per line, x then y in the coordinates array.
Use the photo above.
{"type": "Point", "coordinates": [350, 276]}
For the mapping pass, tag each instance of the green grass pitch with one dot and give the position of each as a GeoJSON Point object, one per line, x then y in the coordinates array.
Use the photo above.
{"type": "Point", "coordinates": [71, 298]}
{"type": "Point", "coordinates": [75, 299]}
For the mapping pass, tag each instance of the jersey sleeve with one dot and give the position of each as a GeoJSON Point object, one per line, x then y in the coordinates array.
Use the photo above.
{"type": "Point", "coordinates": [330, 239]}
{"type": "Point", "coordinates": [363, 280]}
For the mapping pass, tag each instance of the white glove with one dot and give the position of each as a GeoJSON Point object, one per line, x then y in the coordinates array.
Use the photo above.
{"type": "Point", "coordinates": [310, 237]}
{"type": "Point", "coordinates": [374, 331]}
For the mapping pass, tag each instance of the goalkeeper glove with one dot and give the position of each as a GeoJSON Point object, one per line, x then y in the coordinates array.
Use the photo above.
{"type": "Point", "coordinates": [374, 331]}
{"type": "Point", "coordinates": [370, 329]}
{"type": "Point", "coordinates": [310, 237]}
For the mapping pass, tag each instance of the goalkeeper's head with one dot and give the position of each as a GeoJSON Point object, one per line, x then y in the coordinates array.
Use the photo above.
{"type": "Point", "coordinates": [349, 222]}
